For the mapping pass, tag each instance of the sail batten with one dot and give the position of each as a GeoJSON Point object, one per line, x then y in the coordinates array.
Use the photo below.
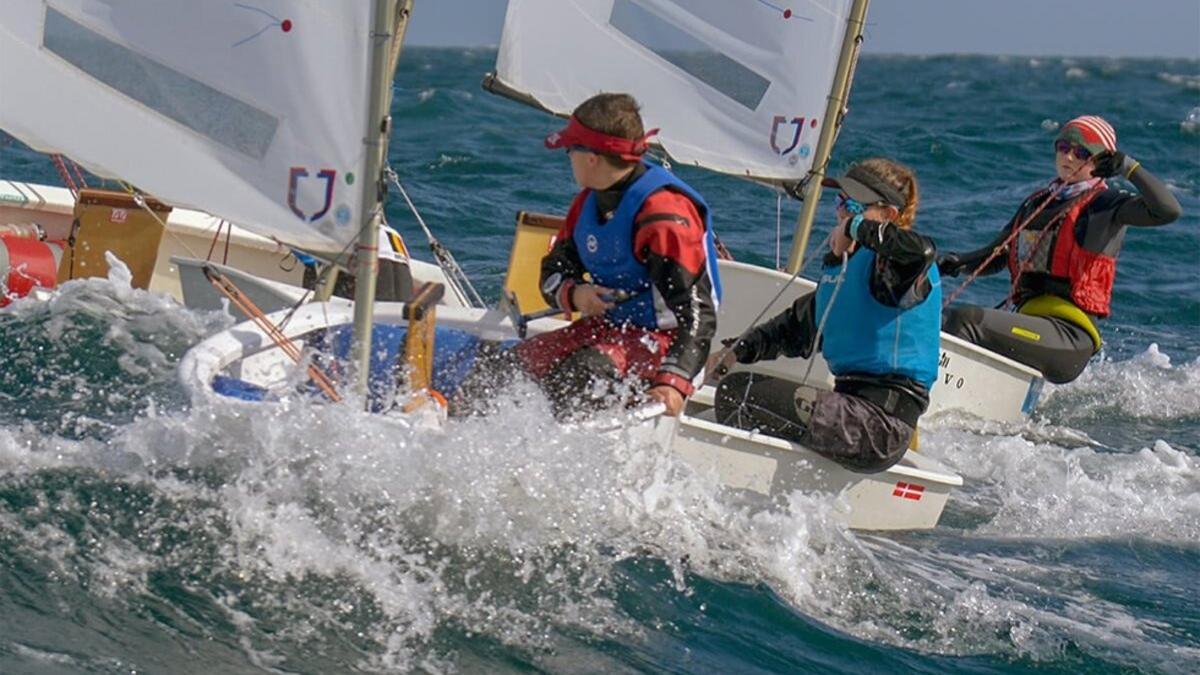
{"type": "Point", "coordinates": [738, 86]}
{"type": "Point", "coordinates": [254, 111]}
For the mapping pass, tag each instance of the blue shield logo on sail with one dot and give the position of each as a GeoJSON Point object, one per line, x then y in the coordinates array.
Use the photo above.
{"type": "Point", "coordinates": [785, 134]}
{"type": "Point", "coordinates": [294, 176]}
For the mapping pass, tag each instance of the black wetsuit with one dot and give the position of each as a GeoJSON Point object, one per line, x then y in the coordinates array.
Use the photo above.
{"type": "Point", "coordinates": [1059, 348]}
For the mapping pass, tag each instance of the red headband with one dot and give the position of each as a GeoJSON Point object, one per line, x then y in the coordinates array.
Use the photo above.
{"type": "Point", "coordinates": [575, 134]}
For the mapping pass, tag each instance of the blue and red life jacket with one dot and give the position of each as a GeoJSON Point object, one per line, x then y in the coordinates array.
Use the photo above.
{"type": "Point", "coordinates": [606, 250]}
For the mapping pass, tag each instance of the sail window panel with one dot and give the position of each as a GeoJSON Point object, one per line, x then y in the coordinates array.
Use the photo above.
{"type": "Point", "coordinates": [688, 53]}
{"type": "Point", "coordinates": [217, 116]}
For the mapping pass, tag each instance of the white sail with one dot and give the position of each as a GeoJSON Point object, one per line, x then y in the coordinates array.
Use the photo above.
{"type": "Point", "coordinates": [737, 86]}
{"type": "Point", "coordinates": [253, 110]}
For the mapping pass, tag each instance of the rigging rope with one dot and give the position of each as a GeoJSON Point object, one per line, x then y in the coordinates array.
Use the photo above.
{"type": "Point", "coordinates": [455, 275]}
{"type": "Point", "coordinates": [65, 175]}
{"type": "Point", "coordinates": [780, 292]}
{"type": "Point", "coordinates": [778, 230]}
{"type": "Point", "coordinates": [281, 340]}
{"type": "Point", "coordinates": [1050, 196]}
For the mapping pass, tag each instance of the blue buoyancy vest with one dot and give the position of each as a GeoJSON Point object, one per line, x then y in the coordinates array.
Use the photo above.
{"type": "Point", "coordinates": [606, 250]}
{"type": "Point", "coordinates": [862, 335]}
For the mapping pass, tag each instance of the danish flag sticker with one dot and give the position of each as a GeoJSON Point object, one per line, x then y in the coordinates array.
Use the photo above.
{"type": "Point", "coordinates": [908, 491]}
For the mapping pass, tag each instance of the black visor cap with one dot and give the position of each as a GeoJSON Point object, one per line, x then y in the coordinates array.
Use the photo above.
{"type": "Point", "coordinates": [866, 188]}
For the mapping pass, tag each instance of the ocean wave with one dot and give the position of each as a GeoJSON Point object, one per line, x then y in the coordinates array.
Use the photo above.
{"type": "Point", "coordinates": [1188, 82]}
{"type": "Point", "coordinates": [1191, 123]}
{"type": "Point", "coordinates": [94, 354]}
{"type": "Point", "coordinates": [332, 522]}
{"type": "Point", "coordinates": [1027, 488]}
{"type": "Point", "coordinates": [1146, 386]}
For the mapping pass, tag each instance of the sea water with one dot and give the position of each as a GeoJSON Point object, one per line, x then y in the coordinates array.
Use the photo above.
{"type": "Point", "coordinates": [142, 533]}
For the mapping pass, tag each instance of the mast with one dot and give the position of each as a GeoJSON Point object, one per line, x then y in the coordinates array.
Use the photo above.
{"type": "Point", "coordinates": [386, 21]}
{"type": "Point", "coordinates": [838, 94]}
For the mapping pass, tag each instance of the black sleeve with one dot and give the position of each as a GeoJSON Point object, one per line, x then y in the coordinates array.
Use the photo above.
{"type": "Point", "coordinates": [560, 265]}
{"type": "Point", "coordinates": [1155, 205]}
{"type": "Point", "coordinates": [790, 333]}
{"type": "Point", "coordinates": [900, 278]}
{"type": "Point", "coordinates": [690, 299]}
{"type": "Point", "coordinates": [973, 259]}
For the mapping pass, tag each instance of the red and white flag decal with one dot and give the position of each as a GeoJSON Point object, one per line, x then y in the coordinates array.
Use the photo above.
{"type": "Point", "coordinates": [909, 491]}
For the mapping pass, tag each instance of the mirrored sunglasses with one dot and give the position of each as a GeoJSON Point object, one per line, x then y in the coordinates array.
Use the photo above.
{"type": "Point", "coordinates": [1077, 151]}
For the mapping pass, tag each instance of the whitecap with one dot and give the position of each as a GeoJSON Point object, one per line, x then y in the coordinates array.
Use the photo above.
{"type": "Point", "coordinates": [1189, 82]}
{"type": "Point", "coordinates": [1191, 123]}
{"type": "Point", "coordinates": [1147, 386]}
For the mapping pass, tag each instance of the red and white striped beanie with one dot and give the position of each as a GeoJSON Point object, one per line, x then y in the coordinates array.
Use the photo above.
{"type": "Point", "coordinates": [1090, 131]}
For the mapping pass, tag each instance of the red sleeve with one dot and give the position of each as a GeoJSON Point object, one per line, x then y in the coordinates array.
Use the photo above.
{"type": "Point", "coordinates": [568, 227]}
{"type": "Point", "coordinates": [668, 225]}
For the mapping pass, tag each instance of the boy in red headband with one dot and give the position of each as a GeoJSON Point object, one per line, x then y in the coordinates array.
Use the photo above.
{"type": "Point", "coordinates": [634, 231]}
{"type": "Point", "coordinates": [1061, 251]}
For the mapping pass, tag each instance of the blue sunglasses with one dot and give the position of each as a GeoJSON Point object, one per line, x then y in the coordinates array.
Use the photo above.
{"type": "Point", "coordinates": [851, 206]}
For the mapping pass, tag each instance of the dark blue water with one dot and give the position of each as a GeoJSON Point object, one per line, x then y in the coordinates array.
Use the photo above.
{"type": "Point", "coordinates": [139, 533]}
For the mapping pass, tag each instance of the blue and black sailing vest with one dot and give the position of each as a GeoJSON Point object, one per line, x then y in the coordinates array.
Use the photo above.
{"type": "Point", "coordinates": [606, 250]}
{"type": "Point", "coordinates": [863, 335]}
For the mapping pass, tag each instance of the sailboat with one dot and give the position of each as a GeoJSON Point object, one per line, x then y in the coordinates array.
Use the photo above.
{"type": "Point", "coordinates": [737, 87]}
{"type": "Point", "coordinates": [213, 108]}
{"type": "Point", "coordinates": [237, 168]}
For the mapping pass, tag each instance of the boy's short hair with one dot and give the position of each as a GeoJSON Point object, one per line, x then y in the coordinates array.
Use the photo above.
{"type": "Point", "coordinates": [615, 115]}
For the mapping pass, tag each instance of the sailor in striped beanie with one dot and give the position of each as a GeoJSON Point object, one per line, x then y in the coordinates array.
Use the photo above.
{"type": "Point", "coordinates": [1086, 153]}
{"type": "Point", "coordinates": [1090, 132]}
{"type": "Point", "coordinates": [1061, 249]}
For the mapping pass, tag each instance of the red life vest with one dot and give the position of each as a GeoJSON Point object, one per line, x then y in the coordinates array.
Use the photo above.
{"type": "Point", "coordinates": [1090, 274]}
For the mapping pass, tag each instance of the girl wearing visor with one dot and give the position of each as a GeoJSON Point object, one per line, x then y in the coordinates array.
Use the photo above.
{"type": "Point", "coordinates": [875, 317]}
{"type": "Point", "coordinates": [1060, 249]}
{"type": "Point", "coordinates": [636, 258]}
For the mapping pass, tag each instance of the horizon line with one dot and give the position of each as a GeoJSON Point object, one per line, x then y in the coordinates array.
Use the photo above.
{"type": "Point", "coordinates": [1108, 57]}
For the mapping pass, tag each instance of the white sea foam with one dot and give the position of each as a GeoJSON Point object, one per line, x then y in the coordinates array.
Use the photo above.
{"type": "Point", "coordinates": [1189, 82]}
{"type": "Point", "coordinates": [449, 160]}
{"type": "Point", "coordinates": [1039, 489]}
{"type": "Point", "coordinates": [1147, 386]}
{"type": "Point", "coordinates": [1191, 123]}
{"type": "Point", "coordinates": [1075, 73]}
{"type": "Point", "coordinates": [513, 525]}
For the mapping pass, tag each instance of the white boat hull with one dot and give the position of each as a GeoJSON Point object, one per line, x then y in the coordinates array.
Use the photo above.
{"type": "Point", "coordinates": [189, 237]}
{"type": "Point", "coordinates": [743, 461]}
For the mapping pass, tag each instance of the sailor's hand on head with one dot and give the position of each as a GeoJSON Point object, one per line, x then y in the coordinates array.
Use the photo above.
{"type": "Point", "coordinates": [1108, 163]}
{"type": "Point", "coordinates": [669, 396]}
{"type": "Point", "coordinates": [590, 300]}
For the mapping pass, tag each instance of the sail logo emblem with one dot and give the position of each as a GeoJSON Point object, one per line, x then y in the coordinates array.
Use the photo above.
{"type": "Point", "coordinates": [788, 140]}
{"type": "Point", "coordinates": [592, 244]}
{"type": "Point", "coordinates": [294, 177]}
{"type": "Point", "coordinates": [909, 491]}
